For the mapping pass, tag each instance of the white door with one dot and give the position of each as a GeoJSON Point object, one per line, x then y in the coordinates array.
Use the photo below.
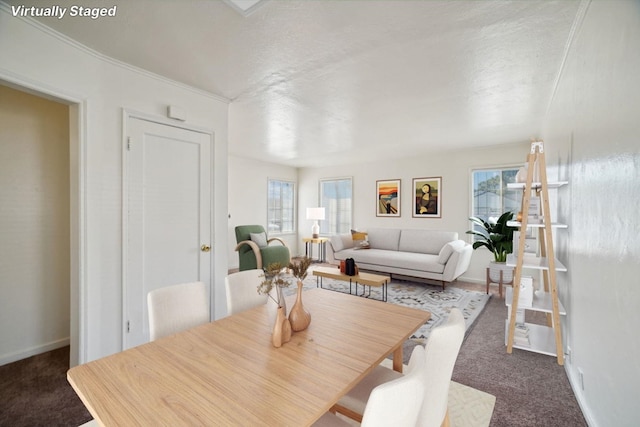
{"type": "Point", "coordinates": [168, 218]}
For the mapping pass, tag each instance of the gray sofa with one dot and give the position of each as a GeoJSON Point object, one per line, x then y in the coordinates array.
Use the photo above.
{"type": "Point", "coordinates": [428, 254]}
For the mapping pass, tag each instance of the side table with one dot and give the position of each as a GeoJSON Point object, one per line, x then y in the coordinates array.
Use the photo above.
{"type": "Point", "coordinates": [322, 247]}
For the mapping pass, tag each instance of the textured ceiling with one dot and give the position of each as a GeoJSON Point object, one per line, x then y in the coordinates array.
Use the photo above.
{"type": "Point", "coordinates": [313, 83]}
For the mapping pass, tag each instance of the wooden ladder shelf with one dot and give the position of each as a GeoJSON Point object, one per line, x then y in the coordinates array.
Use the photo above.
{"type": "Point", "coordinates": [545, 262]}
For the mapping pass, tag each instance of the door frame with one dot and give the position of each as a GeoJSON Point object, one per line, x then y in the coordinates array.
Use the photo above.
{"type": "Point", "coordinates": [78, 335]}
{"type": "Point", "coordinates": [127, 115]}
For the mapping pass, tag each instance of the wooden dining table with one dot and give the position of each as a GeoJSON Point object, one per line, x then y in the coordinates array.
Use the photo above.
{"type": "Point", "coordinates": [227, 372]}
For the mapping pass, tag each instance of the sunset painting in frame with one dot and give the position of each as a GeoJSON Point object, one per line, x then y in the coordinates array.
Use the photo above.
{"type": "Point", "coordinates": [388, 203]}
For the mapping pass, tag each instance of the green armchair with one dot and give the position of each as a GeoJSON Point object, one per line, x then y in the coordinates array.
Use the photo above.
{"type": "Point", "coordinates": [258, 252]}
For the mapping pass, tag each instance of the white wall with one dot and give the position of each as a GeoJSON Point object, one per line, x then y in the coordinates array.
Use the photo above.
{"type": "Point", "coordinates": [592, 140]}
{"type": "Point", "coordinates": [34, 225]}
{"type": "Point", "coordinates": [453, 166]}
{"type": "Point", "coordinates": [248, 198]}
{"type": "Point", "coordinates": [34, 56]}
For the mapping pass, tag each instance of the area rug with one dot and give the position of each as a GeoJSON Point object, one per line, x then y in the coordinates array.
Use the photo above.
{"type": "Point", "coordinates": [470, 407]}
{"type": "Point", "coordinates": [422, 296]}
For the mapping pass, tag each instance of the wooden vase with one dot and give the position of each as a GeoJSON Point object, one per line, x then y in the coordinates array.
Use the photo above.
{"type": "Point", "coordinates": [275, 300]}
{"type": "Point", "coordinates": [299, 317]}
{"type": "Point", "coordinates": [281, 329]}
{"type": "Point", "coordinates": [286, 329]}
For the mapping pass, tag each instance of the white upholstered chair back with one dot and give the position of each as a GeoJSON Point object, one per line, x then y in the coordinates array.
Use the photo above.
{"type": "Point", "coordinates": [396, 402]}
{"type": "Point", "coordinates": [242, 290]}
{"type": "Point", "coordinates": [176, 308]}
{"type": "Point", "coordinates": [441, 352]}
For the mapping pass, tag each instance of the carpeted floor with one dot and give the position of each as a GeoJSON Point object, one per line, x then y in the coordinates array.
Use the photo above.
{"type": "Point", "coordinates": [531, 389]}
{"type": "Point", "coordinates": [34, 392]}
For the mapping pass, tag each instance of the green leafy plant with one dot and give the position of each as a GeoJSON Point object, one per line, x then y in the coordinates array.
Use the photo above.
{"type": "Point", "coordinates": [495, 235]}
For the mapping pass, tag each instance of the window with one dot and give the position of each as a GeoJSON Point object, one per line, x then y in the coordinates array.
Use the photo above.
{"type": "Point", "coordinates": [280, 207]}
{"type": "Point", "coordinates": [491, 198]}
{"type": "Point", "coordinates": [336, 199]}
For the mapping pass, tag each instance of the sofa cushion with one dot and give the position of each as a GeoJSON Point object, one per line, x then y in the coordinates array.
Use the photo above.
{"type": "Point", "coordinates": [402, 260]}
{"type": "Point", "coordinates": [384, 238]}
{"type": "Point", "coordinates": [448, 249]}
{"type": "Point", "coordinates": [345, 253]}
{"type": "Point", "coordinates": [260, 239]}
{"type": "Point", "coordinates": [425, 241]}
{"type": "Point", "coordinates": [340, 242]}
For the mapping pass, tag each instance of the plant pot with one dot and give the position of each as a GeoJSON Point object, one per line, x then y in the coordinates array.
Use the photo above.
{"type": "Point", "coordinates": [494, 272]}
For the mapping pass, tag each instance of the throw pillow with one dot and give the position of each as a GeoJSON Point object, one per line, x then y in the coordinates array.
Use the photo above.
{"type": "Point", "coordinates": [260, 239]}
{"type": "Point", "coordinates": [358, 235]}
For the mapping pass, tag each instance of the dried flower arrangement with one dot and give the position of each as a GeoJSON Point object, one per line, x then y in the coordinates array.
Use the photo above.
{"type": "Point", "coordinates": [299, 269]}
{"type": "Point", "coordinates": [274, 275]}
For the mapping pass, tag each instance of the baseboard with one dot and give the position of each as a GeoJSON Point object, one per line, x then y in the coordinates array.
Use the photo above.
{"type": "Point", "coordinates": [578, 393]}
{"type": "Point", "coordinates": [43, 348]}
{"type": "Point", "coordinates": [464, 278]}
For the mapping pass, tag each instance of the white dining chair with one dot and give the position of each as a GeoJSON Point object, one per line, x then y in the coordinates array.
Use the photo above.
{"type": "Point", "coordinates": [441, 352]}
{"type": "Point", "coordinates": [394, 403]}
{"type": "Point", "coordinates": [242, 290]}
{"type": "Point", "coordinates": [176, 308]}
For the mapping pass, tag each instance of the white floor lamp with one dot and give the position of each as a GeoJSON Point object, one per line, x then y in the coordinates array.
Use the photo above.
{"type": "Point", "coordinates": [316, 214]}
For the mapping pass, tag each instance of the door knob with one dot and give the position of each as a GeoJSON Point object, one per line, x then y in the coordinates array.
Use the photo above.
{"type": "Point", "coordinates": [205, 248]}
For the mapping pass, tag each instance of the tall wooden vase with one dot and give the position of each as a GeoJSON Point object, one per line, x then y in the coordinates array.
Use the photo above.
{"type": "Point", "coordinates": [281, 329]}
{"type": "Point", "coordinates": [299, 317]}
{"type": "Point", "coordinates": [275, 300]}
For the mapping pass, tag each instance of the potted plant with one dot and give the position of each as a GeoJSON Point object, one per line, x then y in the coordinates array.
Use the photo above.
{"type": "Point", "coordinates": [496, 236]}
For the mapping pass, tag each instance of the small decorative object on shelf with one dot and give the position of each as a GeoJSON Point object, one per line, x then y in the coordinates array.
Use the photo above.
{"type": "Point", "coordinates": [299, 317]}
{"type": "Point", "coordinates": [521, 335]}
{"type": "Point", "coordinates": [350, 267]}
{"type": "Point", "coordinates": [272, 286]}
{"type": "Point", "coordinates": [525, 299]}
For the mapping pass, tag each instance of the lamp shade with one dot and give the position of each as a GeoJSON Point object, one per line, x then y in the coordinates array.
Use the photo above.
{"type": "Point", "coordinates": [315, 213]}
